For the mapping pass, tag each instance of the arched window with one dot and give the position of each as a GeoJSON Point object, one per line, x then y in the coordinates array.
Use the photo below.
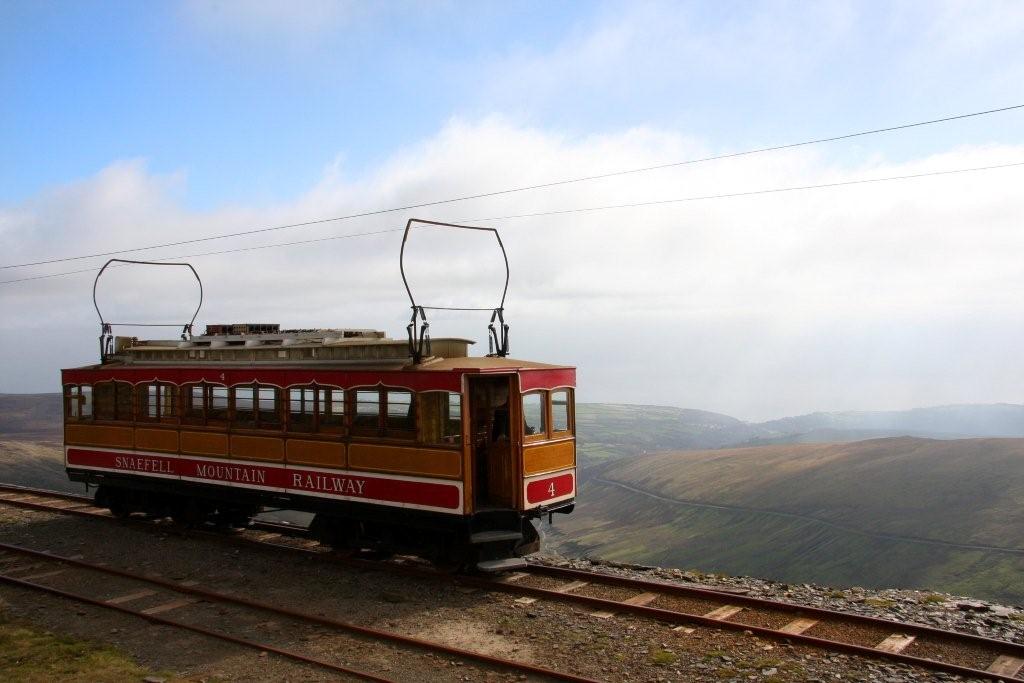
{"type": "Point", "coordinates": [256, 406]}
{"type": "Point", "coordinates": [158, 402]}
{"type": "Point", "coordinates": [112, 401]}
{"type": "Point", "coordinates": [204, 403]}
{"type": "Point", "coordinates": [390, 413]}
{"type": "Point", "coordinates": [316, 409]}
{"type": "Point", "coordinates": [302, 409]}
{"type": "Point", "coordinates": [331, 410]}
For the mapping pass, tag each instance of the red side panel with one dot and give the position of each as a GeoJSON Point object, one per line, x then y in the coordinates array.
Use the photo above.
{"type": "Point", "coordinates": [400, 491]}
{"type": "Point", "coordinates": [547, 379]}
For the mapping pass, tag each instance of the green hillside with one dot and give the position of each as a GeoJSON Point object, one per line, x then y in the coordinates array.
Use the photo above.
{"type": "Point", "coordinates": [910, 512]}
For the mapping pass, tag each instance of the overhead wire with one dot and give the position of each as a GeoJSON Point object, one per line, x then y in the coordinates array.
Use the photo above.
{"type": "Point", "coordinates": [524, 188]}
{"type": "Point", "coordinates": [657, 202]}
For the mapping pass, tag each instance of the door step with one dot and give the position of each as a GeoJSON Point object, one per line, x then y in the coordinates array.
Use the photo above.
{"type": "Point", "coordinates": [507, 564]}
{"type": "Point", "coordinates": [495, 536]}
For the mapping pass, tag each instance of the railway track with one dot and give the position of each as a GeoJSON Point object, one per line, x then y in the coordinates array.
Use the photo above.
{"type": "Point", "coordinates": [35, 570]}
{"type": "Point", "coordinates": [687, 607]}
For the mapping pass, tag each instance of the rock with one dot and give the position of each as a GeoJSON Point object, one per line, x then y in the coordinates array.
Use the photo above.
{"type": "Point", "coordinates": [972, 606]}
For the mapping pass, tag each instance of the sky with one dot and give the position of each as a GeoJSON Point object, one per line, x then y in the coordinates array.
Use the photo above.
{"type": "Point", "coordinates": [132, 124]}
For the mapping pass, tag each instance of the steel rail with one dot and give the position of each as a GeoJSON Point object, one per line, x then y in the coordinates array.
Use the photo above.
{"type": "Point", "coordinates": [349, 627]}
{"type": "Point", "coordinates": [31, 490]}
{"type": "Point", "coordinates": [768, 604]}
{"type": "Point", "coordinates": [281, 652]}
{"type": "Point", "coordinates": [660, 614]}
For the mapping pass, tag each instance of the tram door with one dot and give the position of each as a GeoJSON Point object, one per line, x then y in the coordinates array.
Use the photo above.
{"type": "Point", "coordinates": [493, 469]}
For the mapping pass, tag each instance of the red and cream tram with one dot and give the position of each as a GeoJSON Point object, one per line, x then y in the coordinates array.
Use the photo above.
{"type": "Point", "coordinates": [390, 446]}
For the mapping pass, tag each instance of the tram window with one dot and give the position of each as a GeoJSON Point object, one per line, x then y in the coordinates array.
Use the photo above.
{"type": "Point", "coordinates": [195, 404]}
{"type": "Point", "coordinates": [72, 400]}
{"type": "Point", "coordinates": [301, 409]}
{"type": "Point", "coordinates": [267, 413]}
{"type": "Point", "coordinates": [85, 405]}
{"type": "Point", "coordinates": [533, 414]}
{"type": "Point", "coordinates": [113, 401]}
{"type": "Point", "coordinates": [401, 416]}
{"type": "Point", "coordinates": [103, 396]}
{"type": "Point", "coordinates": [123, 400]}
{"type": "Point", "coordinates": [441, 417]}
{"type": "Point", "coordinates": [157, 402]}
{"type": "Point", "coordinates": [367, 409]}
{"type": "Point", "coordinates": [216, 403]}
{"type": "Point", "coordinates": [560, 410]}
{"type": "Point", "coordinates": [78, 402]}
{"type": "Point", "coordinates": [245, 414]}
{"type": "Point", "coordinates": [332, 410]}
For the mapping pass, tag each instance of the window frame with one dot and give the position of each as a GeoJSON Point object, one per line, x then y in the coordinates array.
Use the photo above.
{"type": "Point", "coordinates": [332, 393]}
{"type": "Point", "coordinates": [545, 409]}
{"type": "Point", "coordinates": [570, 413]}
{"type": "Point", "coordinates": [404, 434]}
{"type": "Point", "coordinates": [74, 394]}
{"type": "Point", "coordinates": [423, 398]}
{"type": "Point", "coordinates": [118, 402]}
{"type": "Point", "coordinates": [258, 422]}
{"type": "Point", "coordinates": [163, 390]}
{"type": "Point", "coordinates": [313, 414]}
{"type": "Point", "coordinates": [382, 430]}
{"type": "Point", "coordinates": [186, 401]}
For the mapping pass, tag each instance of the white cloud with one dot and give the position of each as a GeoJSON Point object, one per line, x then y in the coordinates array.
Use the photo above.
{"type": "Point", "coordinates": [881, 296]}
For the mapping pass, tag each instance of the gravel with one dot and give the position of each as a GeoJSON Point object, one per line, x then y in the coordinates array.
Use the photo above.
{"type": "Point", "coordinates": [929, 608]}
{"type": "Point", "coordinates": [555, 635]}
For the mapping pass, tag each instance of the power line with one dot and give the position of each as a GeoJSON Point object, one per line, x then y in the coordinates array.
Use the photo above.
{"type": "Point", "coordinates": [524, 188]}
{"type": "Point", "coordinates": [212, 253]}
{"type": "Point", "coordinates": [748, 193]}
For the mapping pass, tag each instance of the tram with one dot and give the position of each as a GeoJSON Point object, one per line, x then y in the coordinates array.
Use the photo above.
{"type": "Point", "coordinates": [406, 445]}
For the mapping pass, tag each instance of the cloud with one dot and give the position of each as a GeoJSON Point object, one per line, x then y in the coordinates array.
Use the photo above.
{"type": "Point", "coordinates": [874, 296]}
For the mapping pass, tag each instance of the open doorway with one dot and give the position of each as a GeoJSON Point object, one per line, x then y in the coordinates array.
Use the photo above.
{"type": "Point", "coordinates": [493, 469]}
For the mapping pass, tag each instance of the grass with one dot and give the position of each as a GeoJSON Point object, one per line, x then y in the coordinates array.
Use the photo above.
{"type": "Point", "coordinates": [879, 602]}
{"type": "Point", "coordinates": [663, 657]}
{"type": "Point", "coordinates": [28, 655]}
{"type": "Point", "coordinates": [961, 491]}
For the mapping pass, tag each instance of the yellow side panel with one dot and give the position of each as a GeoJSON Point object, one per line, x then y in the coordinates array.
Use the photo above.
{"type": "Point", "coordinates": [549, 457]}
{"type": "Point", "coordinates": [204, 443]}
{"type": "Point", "coordinates": [257, 448]}
{"type": "Point", "coordinates": [319, 453]}
{"type": "Point", "coordinates": [406, 460]}
{"type": "Point", "coordinates": [157, 440]}
{"type": "Point", "coordinates": [96, 435]}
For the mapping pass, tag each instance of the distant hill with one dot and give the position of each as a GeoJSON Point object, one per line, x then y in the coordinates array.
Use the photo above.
{"type": "Point", "coordinates": [608, 431]}
{"type": "Point", "coordinates": [956, 421]}
{"type": "Point", "coordinates": [31, 416]}
{"type": "Point", "coordinates": [885, 512]}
